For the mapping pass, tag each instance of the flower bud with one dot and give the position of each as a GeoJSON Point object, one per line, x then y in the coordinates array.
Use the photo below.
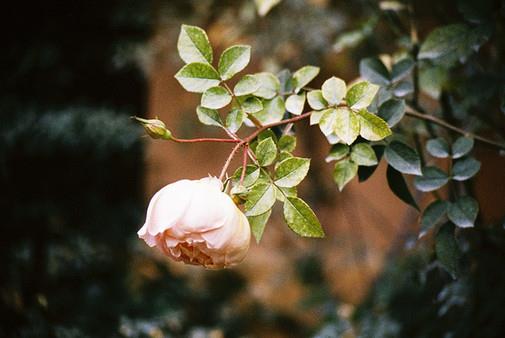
{"type": "Point", "coordinates": [193, 221]}
{"type": "Point", "coordinates": [155, 128]}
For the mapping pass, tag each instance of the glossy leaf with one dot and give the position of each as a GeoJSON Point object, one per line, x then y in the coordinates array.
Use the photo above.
{"type": "Point", "coordinates": [316, 100]}
{"type": "Point", "coordinates": [295, 103]}
{"type": "Point", "coordinates": [338, 152]}
{"type": "Point", "coordinates": [333, 90]}
{"type": "Point", "coordinates": [392, 111]}
{"type": "Point", "coordinates": [361, 95]}
{"type": "Point", "coordinates": [233, 60]}
{"type": "Point", "coordinates": [251, 175]}
{"type": "Point", "coordinates": [260, 199]}
{"type": "Point", "coordinates": [364, 173]}
{"type": "Point", "coordinates": [251, 105]}
{"type": "Point", "coordinates": [465, 168]}
{"type": "Point", "coordinates": [215, 98]}
{"type": "Point", "coordinates": [344, 172]}
{"type": "Point", "coordinates": [209, 117]}
{"type": "Point", "coordinates": [463, 212]}
{"type": "Point", "coordinates": [246, 86]}
{"type": "Point", "coordinates": [403, 158]}
{"type": "Point", "coordinates": [432, 179]}
{"type": "Point", "coordinates": [347, 125]}
{"type": "Point", "coordinates": [462, 146]}
{"type": "Point", "coordinates": [438, 147]}
{"type": "Point", "coordinates": [372, 127]}
{"type": "Point", "coordinates": [363, 154]}
{"type": "Point", "coordinates": [197, 77]}
{"type": "Point", "coordinates": [269, 85]}
{"type": "Point", "coordinates": [301, 219]}
{"type": "Point", "coordinates": [287, 143]}
{"type": "Point", "coordinates": [193, 45]}
{"type": "Point", "coordinates": [433, 215]}
{"type": "Point", "coordinates": [402, 69]}
{"type": "Point", "coordinates": [266, 152]}
{"type": "Point", "coordinates": [447, 249]}
{"type": "Point", "coordinates": [291, 171]}
{"type": "Point", "coordinates": [303, 76]}
{"type": "Point", "coordinates": [234, 119]}
{"type": "Point", "coordinates": [373, 70]}
{"type": "Point", "coordinates": [327, 123]}
{"type": "Point", "coordinates": [258, 224]}
{"type": "Point", "coordinates": [399, 187]}
{"type": "Point", "coordinates": [273, 111]}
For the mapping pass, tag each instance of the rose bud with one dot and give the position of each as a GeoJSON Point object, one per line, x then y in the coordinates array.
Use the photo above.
{"type": "Point", "coordinates": [155, 128]}
{"type": "Point", "coordinates": [193, 221]}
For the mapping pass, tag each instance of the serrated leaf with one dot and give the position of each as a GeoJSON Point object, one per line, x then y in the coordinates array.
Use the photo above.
{"type": "Point", "coordinates": [449, 44]}
{"type": "Point", "coordinates": [433, 215]}
{"type": "Point", "coordinates": [333, 90]}
{"type": "Point", "coordinates": [438, 147]}
{"type": "Point", "coordinates": [258, 224]}
{"type": "Point", "coordinates": [399, 187]}
{"type": "Point", "coordinates": [447, 250]}
{"type": "Point", "coordinates": [209, 117]}
{"type": "Point", "coordinates": [461, 147]}
{"type": "Point", "coordinates": [363, 154]}
{"type": "Point", "coordinates": [372, 127]}
{"type": "Point", "coordinates": [266, 152]}
{"type": "Point", "coordinates": [392, 111]}
{"type": "Point", "coordinates": [233, 60]}
{"type": "Point", "coordinates": [344, 172]}
{"type": "Point", "coordinates": [215, 98]}
{"type": "Point", "coordinates": [197, 77]}
{"type": "Point", "coordinates": [338, 152]}
{"type": "Point", "coordinates": [403, 158]}
{"type": "Point", "coordinates": [260, 199]}
{"type": "Point", "coordinates": [291, 171]}
{"type": "Point", "coordinates": [360, 95]}
{"type": "Point", "coordinates": [252, 174]}
{"type": "Point", "coordinates": [432, 179]}
{"type": "Point", "coordinates": [327, 122]}
{"type": "Point", "coordinates": [303, 76]}
{"type": "Point", "coordinates": [287, 143]}
{"type": "Point", "coordinates": [246, 86]}
{"type": "Point", "coordinates": [402, 69]}
{"type": "Point", "coordinates": [347, 126]}
{"type": "Point", "coordinates": [251, 105]}
{"type": "Point", "coordinates": [193, 45]}
{"type": "Point", "coordinates": [295, 103]}
{"type": "Point", "coordinates": [373, 70]}
{"type": "Point", "coordinates": [234, 119]}
{"type": "Point", "coordinates": [301, 219]}
{"type": "Point", "coordinates": [316, 100]}
{"type": "Point", "coordinates": [269, 85]}
{"type": "Point", "coordinates": [463, 212]}
{"type": "Point", "coordinates": [465, 168]}
{"type": "Point", "coordinates": [273, 111]}
{"type": "Point", "coordinates": [315, 117]}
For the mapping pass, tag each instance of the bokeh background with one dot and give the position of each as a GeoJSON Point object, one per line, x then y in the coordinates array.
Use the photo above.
{"type": "Point", "coordinates": [76, 175]}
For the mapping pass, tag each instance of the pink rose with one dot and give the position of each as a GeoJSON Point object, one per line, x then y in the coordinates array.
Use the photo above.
{"type": "Point", "coordinates": [195, 222]}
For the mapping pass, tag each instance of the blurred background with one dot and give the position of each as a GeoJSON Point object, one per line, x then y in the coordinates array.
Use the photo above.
{"type": "Point", "coordinates": [76, 175]}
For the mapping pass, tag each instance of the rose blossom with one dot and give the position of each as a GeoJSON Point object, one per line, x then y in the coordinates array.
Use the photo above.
{"type": "Point", "coordinates": [195, 222]}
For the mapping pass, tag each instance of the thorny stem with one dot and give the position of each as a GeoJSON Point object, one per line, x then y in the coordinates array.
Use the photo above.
{"type": "Point", "coordinates": [244, 163]}
{"type": "Point", "coordinates": [410, 111]}
{"type": "Point", "coordinates": [228, 160]}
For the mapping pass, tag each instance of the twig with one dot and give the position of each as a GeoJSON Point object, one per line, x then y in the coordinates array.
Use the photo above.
{"type": "Point", "coordinates": [205, 139]}
{"type": "Point", "coordinates": [228, 160]}
{"type": "Point", "coordinates": [244, 163]}
{"type": "Point", "coordinates": [410, 111]}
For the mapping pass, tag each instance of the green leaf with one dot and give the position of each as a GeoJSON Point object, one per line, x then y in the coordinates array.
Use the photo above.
{"type": "Point", "coordinates": [193, 45]}
{"type": "Point", "coordinates": [463, 212]}
{"type": "Point", "coordinates": [433, 215]}
{"type": "Point", "coordinates": [338, 152]}
{"type": "Point", "coordinates": [287, 143]}
{"type": "Point", "coordinates": [327, 123]}
{"type": "Point", "coordinates": [365, 173]}
{"type": "Point", "coordinates": [316, 100]}
{"type": "Point", "coordinates": [403, 158]}
{"type": "Point", "coordinates": [346, 125]}
{"type": "Point", "coordinates": [373, 70]}
{"type": "Point", "coordinates": [461, 147]}
{"type": "Point", "coordinates": [438, 147]}
{"type": "Point", "coordinates": [403, 89]}
{"type": "Point", "coordinates": [258, 224]}
{"type": "Point", "coordinates": [251, 105]}
{"type": "Point", "coordinates": [264, 6]}
{"type": "Point", "coordinates": [246, 86]}
{"type": "Point", "coordinates": [269, 85]}
{"type": "Point", "coordinates": [282, 193]}
{"type": "Point", "coordinates": [260, 199]}
{"type": "Point", "coordinates": [273, 111]}
{"type": "Point", "coordinates": [449, 44]}
{"type": "Point", "coordinates": [363, 154]}
{"type": "Point", "coordinates": [392, 111]}
{"type": "Point", "coordinates": [266, 152]}
{"type": "Point", "coordinates": [295, 103]}
{"type": "Point", "coordinates": [402, 69]}
{"type": "Point", "coordinates": [233, 60]}
{"type": "Point", "coordinates": [447, 249]}
{"type": "Point", "coordinates": [209, 117]}
{"type": "Point", "coordinates": [303, 76]}
{"type": "Point", "coordinates": [291, 171]}
{"type": "Point", "coordinates": [252, 174]}
{"type": "Point", "coordinates": [399, 187]}
{"type": "Point", "coordinates": [197, 77]}
{"type": "Point", "coordinates": [372, 127]}
{"type": "Point", "coordinates": [234, 119]}
{"type": "Point", "coordinates": [432, 179]}
{"type": "Point", "coordinates": [344, 172]}
{"type": "Point", "coordinates": [465, 168]}
{"type": "Point", "coordinates": [361, 94]}
{"type": "Point", "coordinates": [301, 219]}
{"type": "Point", "coordinates": [333, 90]}
{"type": "Point", "coordinates": [316, 116]}
{"type": "Point", "coordinates": [215, 98]}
